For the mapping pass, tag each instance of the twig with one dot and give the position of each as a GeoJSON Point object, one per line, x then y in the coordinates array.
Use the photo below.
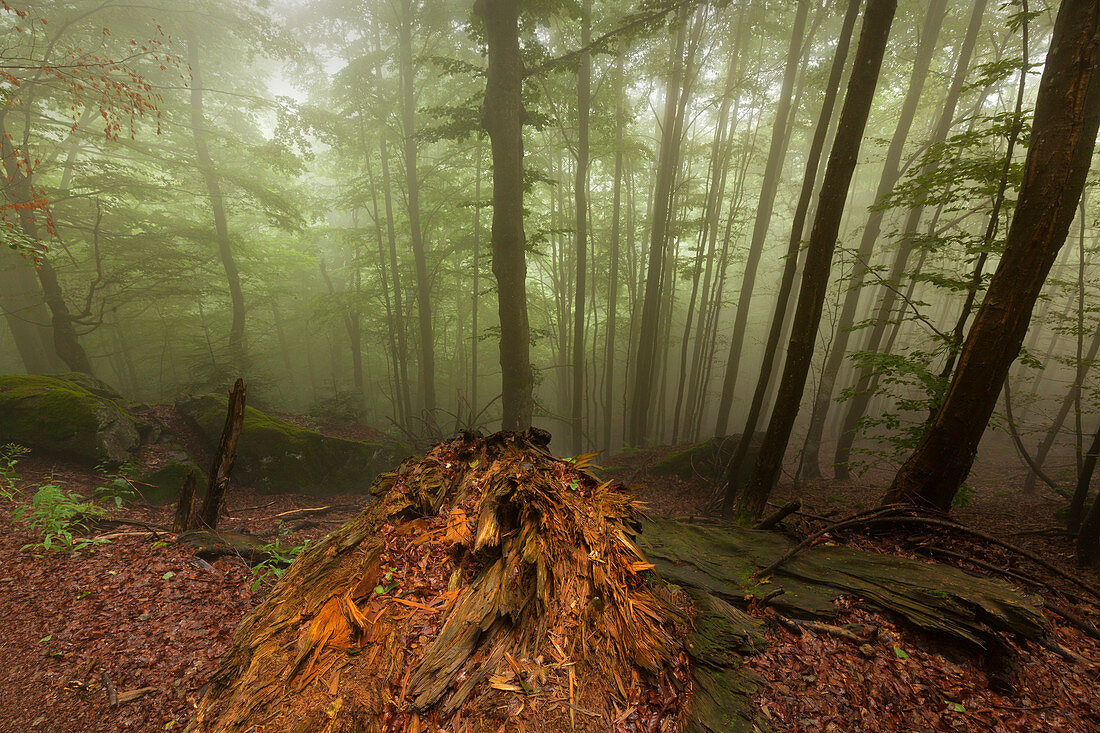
{"type": "Point", "coordinates": [821, 628]}
{"type": "Point", "coordinates": [775, 518]}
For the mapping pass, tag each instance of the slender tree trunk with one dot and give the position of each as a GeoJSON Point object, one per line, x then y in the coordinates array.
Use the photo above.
{"type": "Point", "coordinates": [649, 326]}
{"type": "Point", "coordinates": [1068, 402]}
{"type": "Point", "coordinates": [877, 20]}
{"type": "Point", "coordinates": [503, 120]}
{"type": "Point", "coordinates": [1088, 539]}
{"type": "Point", "coordinates": [891, 171]}
{"type": "Point", "coordinates": [391, 319]}
{"type": "Point", "coordinates": [708, 236]}
{"type": "Point", "coordinates": [613, 279]}
{"type": "Point", "coordinates": [1063, 135]}
{"type": "Point", "coordinates": [888, 303]}
{"type": "Point", "coordinates": [580, 196]}
{"type": "Point", "coordinates": [777, 153]}
{"type": "Point", "coordinates": [237, 345]}
{"type": "Point", "coordinates": [25, 313]}
{"type": "Point", "coordinates": [19, 190]}
{"type": "Point", "coordinates": [790, 265]}
{"type": "Point", "coordinates": [416, 233]}
{"type": "Point", "coordinates": [475, 296]}
{"type": "Point", "coordinates": [395, 275]}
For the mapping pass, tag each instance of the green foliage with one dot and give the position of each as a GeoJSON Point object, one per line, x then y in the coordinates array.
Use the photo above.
{"type": "Point", "coordinates": [9, 477]}
{"type": "Point", "coordinates": [916, 390]}
{"type": "Point", "coordinates": [279, 556]}
{"type": "Point", "coordinates": [118, 487]}
{"type": "Point", "coordinates": [58, 515]}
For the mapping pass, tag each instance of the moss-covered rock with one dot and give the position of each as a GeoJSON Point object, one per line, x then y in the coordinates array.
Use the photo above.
{"type": "Point", "coordinates": [58, 415]}
{"type": "Point", "coordinates": [163, 484]}
{"type": "Point", "coordinates": [709, 459]}
{"type": "Point", "coordinates": [276, 456]}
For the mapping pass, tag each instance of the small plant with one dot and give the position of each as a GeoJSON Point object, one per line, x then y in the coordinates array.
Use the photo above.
{"type": "Point", "coordinates": [9, 477]}
{"type": "Point", "coordinates": [386, 586]}
{"type": "Point", "coordinates": [279, 557]}
{"type": "Point", "coordinates": [119, 487]}
{"type": "Point", "coordinates": [58, 515]}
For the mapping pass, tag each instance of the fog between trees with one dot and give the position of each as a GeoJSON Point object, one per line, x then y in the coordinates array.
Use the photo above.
{"type": "Point", "coordinates": [328, 198]}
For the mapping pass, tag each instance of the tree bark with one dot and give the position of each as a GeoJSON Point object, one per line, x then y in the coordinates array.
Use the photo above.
{"type": "Point", "coordinates": [224, 457]}
{"type": "Point", "coordinates": [891, 171]}
{"type": "Point", "coordinates": [877, 19]}
{"type": "Point", "coordinates": [503, 119]}
{"type": "Point", "coordinates": [1088, 539]}
{"type": "Point", "coordinates": [613, 279]}
{"type": "Point", "coordinates": [646, 357]}
{"type": "Point", "coordinates": [866, 381]}
{"type": "Point", "coordinates": [1067, 114]}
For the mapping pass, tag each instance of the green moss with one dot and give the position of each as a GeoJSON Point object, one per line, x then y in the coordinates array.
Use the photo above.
{"type": "Point", "coordinates": [60, 416]}
{"type": "Point", "coordinates": [709, 459]}
{"type": "Point", "coordinates": [275, 456]}
{"type": "Point", "coordinates": [164, 483]}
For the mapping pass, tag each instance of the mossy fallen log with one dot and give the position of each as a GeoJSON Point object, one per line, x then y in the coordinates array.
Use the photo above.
{"type": "Point", "coordinates": [723, 559]}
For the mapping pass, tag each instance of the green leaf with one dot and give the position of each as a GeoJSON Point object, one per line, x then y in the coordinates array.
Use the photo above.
{"type": "Point", "coordinates": [958, 707]}
{"type": "Point", "coordinates": [168, 575]}
{"type": "Point", "coordinates": [900, 652]}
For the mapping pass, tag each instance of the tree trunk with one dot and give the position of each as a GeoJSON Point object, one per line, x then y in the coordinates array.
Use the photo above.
{"type": "Point", "coordinates": [580, 196]}
{"type": "Point", "coordinates": [237, 346]}
{"type": "Point", "coordinates": [790, 265]}
{"type": "Point", "coordinates": [19, 190]}
{"type": "Point", "coordinates": [865, 384]}
{"type": "Point", "coordinates": [613, 281]}
{"type": "Point", "coordinates": [1067, 114]}
{"type": "Point", "coordinates": [475, 296]}
{"type": "Point", "coordinates": [503, 119]}
{"type": "Point", "coordinates": [777, 153]}
{"type": "Point", "coordinates": [416, 234]}
{"type": "Point", "coordinates": [877, 20]}
{"type": "Point", "coordinates": [891, 171]}
{"type": "Point", "coordinates": [25, 312]}
{"type": "Point", "coordinates": [1088, 539]}
{"type": "Point", "coordinates": [646, 359]}
{"type": "Point", "coordinates": [1063, 412]}
{"type": "Point", "coordinates": [224, 457]}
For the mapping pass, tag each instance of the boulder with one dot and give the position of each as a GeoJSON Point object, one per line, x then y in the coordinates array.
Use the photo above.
{"type": "Point", "coordinates": [163, 483]}
{"type": "Point", "coordinates": [275, 456]}
{"type": "Point", "coordinates": [708, 460]}
{"type": "Point", "coordinates": [58, 415]}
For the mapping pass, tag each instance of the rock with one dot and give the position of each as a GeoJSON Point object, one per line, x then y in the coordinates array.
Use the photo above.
{"type": "Point", "coordinates": [163, 483]}
{"type": "Point", "coordinates": [709, 459]}
{"type": "Point", "coordinates": [276, 456]}
{"type": "Point", "coordinates": [59, 415]}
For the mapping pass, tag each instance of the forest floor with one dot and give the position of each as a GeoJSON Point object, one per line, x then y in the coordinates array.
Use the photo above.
{"type": "Point", "coordinates": [123, 636]}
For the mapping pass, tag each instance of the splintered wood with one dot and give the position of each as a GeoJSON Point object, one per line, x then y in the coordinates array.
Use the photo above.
{"type": "Point", "coordinates": [489, 585]}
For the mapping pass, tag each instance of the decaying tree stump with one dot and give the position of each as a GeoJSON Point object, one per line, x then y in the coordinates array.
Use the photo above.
{"type": "Point", "coordinates": [489, 583]}
{"type": "Point", "coordinates": [187, 516]}
{"type": "Point", "coordinates": [493, 585]}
